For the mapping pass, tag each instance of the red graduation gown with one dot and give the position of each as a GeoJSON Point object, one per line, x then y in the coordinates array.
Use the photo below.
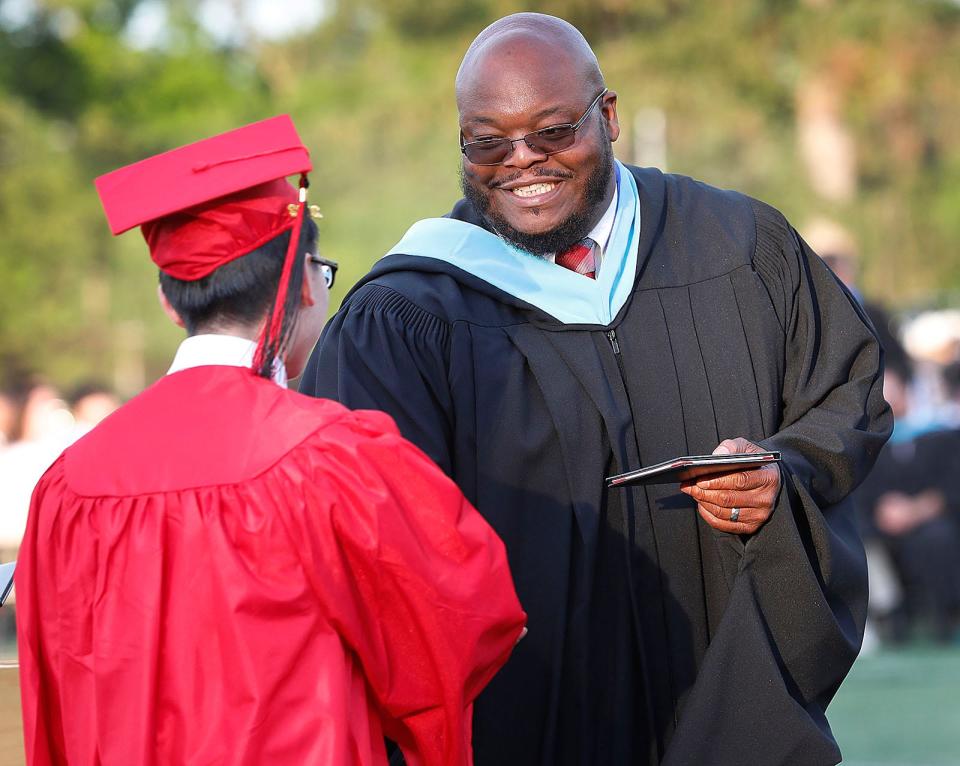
{"type": "Point", "coordinates": [227, 572]}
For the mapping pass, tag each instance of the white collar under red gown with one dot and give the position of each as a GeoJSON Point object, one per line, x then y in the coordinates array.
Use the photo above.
{"type": "Point", "coordinates": [213, 349]}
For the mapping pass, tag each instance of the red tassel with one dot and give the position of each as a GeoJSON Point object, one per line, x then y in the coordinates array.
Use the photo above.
{"type": "Point", "coordinates": [270, 334]}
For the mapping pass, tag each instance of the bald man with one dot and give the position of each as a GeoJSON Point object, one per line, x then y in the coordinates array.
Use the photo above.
{"type": "Point", "coordinates": [573, 318]}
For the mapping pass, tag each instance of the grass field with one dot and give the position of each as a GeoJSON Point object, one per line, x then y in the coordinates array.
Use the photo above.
{"type": "Point", "coordinates": [900, 708]}
{"type": "Point", "coordinates": [897, 708]}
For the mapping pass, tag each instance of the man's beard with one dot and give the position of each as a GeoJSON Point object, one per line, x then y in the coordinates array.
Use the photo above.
{"type": "Point", "coordinates": [570, 231]}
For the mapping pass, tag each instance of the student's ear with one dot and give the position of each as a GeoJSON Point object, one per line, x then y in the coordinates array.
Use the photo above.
{"type": "Point", "coordinates": [306, 284]}
{"type": "Point", "coordinates": [168, 309]}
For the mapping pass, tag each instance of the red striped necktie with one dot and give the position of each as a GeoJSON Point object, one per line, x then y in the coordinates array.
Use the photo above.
{"type": "Point", "coordinates": [580, 258]}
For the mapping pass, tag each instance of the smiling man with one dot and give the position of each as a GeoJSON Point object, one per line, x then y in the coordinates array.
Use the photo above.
{"type": "Point", "coordinates": [541, 208]}
{"type": "Point", "coordinates": [574, 317]}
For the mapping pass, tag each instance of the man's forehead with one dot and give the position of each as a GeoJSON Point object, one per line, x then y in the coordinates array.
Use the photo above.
{"type": "Point", "coordinates": [519, 76]}
{"type": "Point", "coordinates": [512, 55]}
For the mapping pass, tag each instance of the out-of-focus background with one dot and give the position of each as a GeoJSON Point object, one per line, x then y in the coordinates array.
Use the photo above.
{"type": "Point", "coordinates": [845, 114]}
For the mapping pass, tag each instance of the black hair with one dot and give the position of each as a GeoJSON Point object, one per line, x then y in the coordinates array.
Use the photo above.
{"type": "Point", "coordinates": [88, 388]}
{"type": "Point", "coordinates": [243, 290]}
{"type": "Point", "coordinates": [951, 379]}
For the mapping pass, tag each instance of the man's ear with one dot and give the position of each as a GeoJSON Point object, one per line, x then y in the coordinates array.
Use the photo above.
{"type": "Point", "coordinates": [306, 285]}
{"type": "Point", "coordinates": [168, 309]}
{"type": "Point", "coordinates": [608, 108]}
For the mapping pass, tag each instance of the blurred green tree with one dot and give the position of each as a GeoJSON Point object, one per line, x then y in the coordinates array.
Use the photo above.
{"type": "Point", "coordinates": [371, 89]}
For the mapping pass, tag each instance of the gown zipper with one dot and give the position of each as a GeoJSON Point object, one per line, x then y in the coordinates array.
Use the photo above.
{"type": "Point", "coordinates": [612, 337]}
{"type": "Point", "coordinates": [615, 345]}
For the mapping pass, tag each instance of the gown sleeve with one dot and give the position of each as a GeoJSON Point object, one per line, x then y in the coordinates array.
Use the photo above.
{"type": "Point", "coordinates": [36, 642]}
{"type": "Point", "coordinates": [795, 617]}
{"type": "Point", "coordinates": [835, 419]}
{"type": "Point", "coordinates": [416, 584]}
{"type": "Point", "coordinates": [382, 352]}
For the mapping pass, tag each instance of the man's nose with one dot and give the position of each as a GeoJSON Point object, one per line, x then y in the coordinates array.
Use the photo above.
{"type": "Point", "coordinates": [523, 156]}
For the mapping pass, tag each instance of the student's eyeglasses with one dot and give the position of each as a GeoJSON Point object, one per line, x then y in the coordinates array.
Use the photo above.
{"type": "Point", "coordinates": [327, 267]}
{"type": "Point", "coordinates": [493, 150]}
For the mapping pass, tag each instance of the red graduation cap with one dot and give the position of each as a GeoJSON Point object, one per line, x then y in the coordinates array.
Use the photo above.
{"type": "Point", "coordinates": [210, 202]}
{"type": "Point", "coordinates": [204, 204]}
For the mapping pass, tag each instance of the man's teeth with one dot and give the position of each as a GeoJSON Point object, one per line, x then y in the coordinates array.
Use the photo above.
{"type": "Point", "coordinates": [532, 190]}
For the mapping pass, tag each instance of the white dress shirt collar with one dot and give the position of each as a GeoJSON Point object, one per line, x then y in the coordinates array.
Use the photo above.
{"type": "Point", "coordinates": [601, 232]}
{"type": "Point", "coordinates": [224, 350]}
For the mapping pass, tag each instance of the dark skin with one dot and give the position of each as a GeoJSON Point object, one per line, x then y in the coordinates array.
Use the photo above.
{"type": "Point", "coordinates": [754, 492]}
{"type": "Point", "coordinates": [530, 71]}
{"type": "Point", "coordinates": [519, 82]}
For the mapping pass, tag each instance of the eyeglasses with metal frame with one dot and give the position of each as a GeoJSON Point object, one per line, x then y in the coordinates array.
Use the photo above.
{"type": "Point", "coordinates": [327, 267]}
{"type": "Point", "coordinates": [493, 150]}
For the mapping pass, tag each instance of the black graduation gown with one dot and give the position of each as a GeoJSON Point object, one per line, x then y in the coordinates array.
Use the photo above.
{"type": "Point", "coordinates": [652, 638]}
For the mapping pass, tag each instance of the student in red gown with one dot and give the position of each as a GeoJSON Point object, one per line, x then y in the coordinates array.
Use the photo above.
{"type": "Point", "coordinates": [228, 572]}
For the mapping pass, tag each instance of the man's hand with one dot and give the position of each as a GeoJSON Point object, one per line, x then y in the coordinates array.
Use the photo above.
{"type": "Point", "coordinates": [747, 496]}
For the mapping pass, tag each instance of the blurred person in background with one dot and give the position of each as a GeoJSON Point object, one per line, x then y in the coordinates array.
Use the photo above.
{"type": "Point", "coordinates": [9, 413]}
{"type": "Point", "coordinates": [951, 408]}
{"type": "Point", "coordinates": [90, 403]}
{"type": "Point", "coordinates": [933, 339]}
{"type": "Point", "coordinates": [838, 249]}
{"type": "Point", "coordinates": [575, 317]}
{"type": "Point", "coordinates": [907, 505]}
{"type": "Point", "coordinates": [226, 571]}
{"type": "Point", "coordinates": [43, 427]}
{"type": "Point", "coordinates": [45, 416]}
{"type": "Point", "coordinates": [910, 508]}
